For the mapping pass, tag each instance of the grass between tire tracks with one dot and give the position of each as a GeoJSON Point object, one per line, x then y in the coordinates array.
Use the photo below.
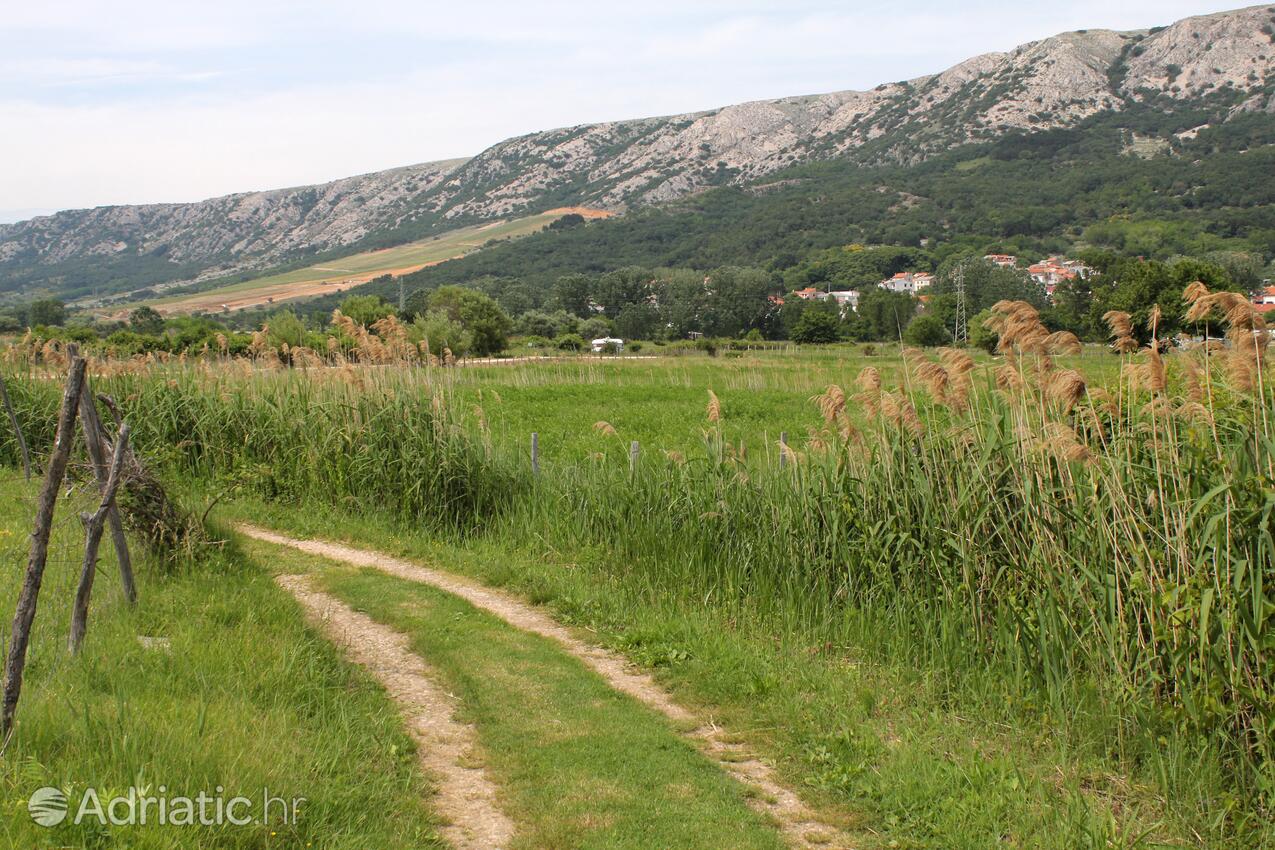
{"type": "Point", "coordinates": [579, 764]}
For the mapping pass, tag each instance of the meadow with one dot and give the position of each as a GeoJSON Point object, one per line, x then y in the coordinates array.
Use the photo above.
{"type": "Point", "coordinates": [974, 600]}
{"type": "Point", "coordinates": [343, 273]}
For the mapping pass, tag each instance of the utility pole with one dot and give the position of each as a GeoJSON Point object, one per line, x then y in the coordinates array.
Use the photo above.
{"type": "Point", "coordinates": [961, 334]}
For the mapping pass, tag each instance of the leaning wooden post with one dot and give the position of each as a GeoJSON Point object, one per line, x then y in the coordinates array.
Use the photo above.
{"type": "Point", "coordinates": [17, 428]}
{"type": "Point", "coordinates": [24, 615]}
{"type": "Point", "coordinates": [93, 439]}
{"type": "Point", "coordinates": [535, 454]}
{"type": "Point", "coordinates": [94, 526]}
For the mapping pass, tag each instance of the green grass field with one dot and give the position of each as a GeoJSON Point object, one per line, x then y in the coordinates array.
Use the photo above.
{"type": "Point", "coordinates": [661, 402]}
{"type": "Point", "coordinates": [1026, 618]}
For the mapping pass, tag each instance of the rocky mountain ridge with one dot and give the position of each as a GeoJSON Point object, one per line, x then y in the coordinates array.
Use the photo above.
{"type": "Point", "coordinates": [1224, 59]}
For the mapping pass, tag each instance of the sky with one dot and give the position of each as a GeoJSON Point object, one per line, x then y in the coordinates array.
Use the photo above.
{"type": "Point", "coordinates": [158, 101]}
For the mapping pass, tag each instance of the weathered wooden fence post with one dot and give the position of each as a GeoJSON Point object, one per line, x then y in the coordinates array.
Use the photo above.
{"type": "Point", "coordinates": [94, 525]}
{"type": "Point", "coordinates": [24, 614]}
{"type": "Point", "coordinates": [17, 428]}
{"type": "Point", "coordinates": [91, 423]}
{"type": "Point", "coordinates": [634, 449]}
{"type": "Point", "coordinates": [535, 454]}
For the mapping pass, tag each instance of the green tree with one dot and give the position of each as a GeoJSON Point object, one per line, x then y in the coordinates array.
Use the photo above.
{"type": "Point", "coordinates": [927, 332]}
{"type": "Point", "coordinates": [146, 320]}
{"type": "Point", "coordinates": [595, 328]}
{"type": "Point", "coordinates": [882, 314]}
{"type": "Point", "coordinates": [366, 309]}
{"type": "Point", "coordinates": [441, 332]}
{"type": "Point", "coordinates": [488, 325]}
{"type": "Point", "coordinates": [615, 290]}
{"type": "Point", "coordinates": [1137, 286]}
{"type": "Point", "coordinates": [46, 311]}
{"type": "Point", "coordinates": [982, 336]}
{"type": "Point", "coordinates": [817, 327]}
{"type": "Point", "coordinates": [536, 323]}
{"type": "Point", "coordinates": [286, 327]}
{"type": "Point", "coordinates": [572, 293]}
{"type": "Point", "coordinates": [738, 300]}
{"type": "Point", "coordinates": [637, 321]}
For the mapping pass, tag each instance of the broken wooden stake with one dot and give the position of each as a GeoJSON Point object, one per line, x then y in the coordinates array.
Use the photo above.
{"type": "Point", "coordinates": [24, 614]}
{"type": "Point", "coordinates": [93, 439]}
{"type": "Point", "coordinates": [94, 526]}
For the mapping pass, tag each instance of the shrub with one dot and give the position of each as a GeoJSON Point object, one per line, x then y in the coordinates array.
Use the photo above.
{"type": "Point", "coordinates": [926, 331]}
{"type": "Point", "coordinates": [817, 327]}
{"type": "Point", "coordinates": [570, 342]}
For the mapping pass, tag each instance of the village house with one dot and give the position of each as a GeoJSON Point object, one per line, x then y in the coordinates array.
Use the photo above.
{"type": "Point", "coordinates": [1264, 300]}
{"type": "Point", "coordinates": [1005, 261]}
{"type": "Point", "coordinates": [909, 282]}
{"type": "Point", "coordinates": [846, 297]}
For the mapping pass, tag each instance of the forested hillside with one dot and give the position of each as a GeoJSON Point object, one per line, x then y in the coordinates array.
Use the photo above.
{"type": "Point", "coordinates": [1095, 186]}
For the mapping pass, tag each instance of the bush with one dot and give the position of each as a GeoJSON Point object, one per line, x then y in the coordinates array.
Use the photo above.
{"type": "Point", "coordinates": [981, 336]}
{"type": "Point", "coordinates": [570, 342]}
{"type": "Point", "coordinates": [926, 331]}
{"type": "Point", "coordinates": [816, 327]}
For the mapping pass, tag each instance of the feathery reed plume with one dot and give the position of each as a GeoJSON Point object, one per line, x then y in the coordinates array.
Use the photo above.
{"type": "Point", "coordinates": [1157, 406]}
{"type": "Point", "coordinates": [714, 408]}
{"type": "Point", "coordinates": [1066, 388]}
{"type": "Point", "coordinates": [449, 359]}
{"type": "Point", "coordinates": [675, 456]}
{"type": "Point", "coordinates": [1018, 325]}
{"type": "Point", "coordinates": [817, 441]}
{"type": "Point", "coordinates": [604, 428]}
{"type": "Point", "coordinates": [1121, 325]}
{"type": "Point", "coordinates": [1061, 343]}
{"type": "Point", "coordinates": [1125, 345]}
{"type": "Point", "coordinates": [1193, 411]}
{"type": "Point", "coordinates": [898, 409]}
{"type": "Point", "coordinates": [1060, 440]}
{"type": "Point", "coordinates": [1008, 379]}
{"type": "Point", "coordinates": [935, 378]}
{"type": "Point", "coordinates": [1152, 371]}
{"type": "Point", "coordinates": [831, 403]}
{"type": "Point", "coordinates": [958, 362]}
{"type": "Point", "coordinates": [789, 453]}
{"type": "Point", "coordinates": [1120, 322]}
{"type": "Point", "coordinates": [1194, 291]}
{"type": "Point", "coordinates": [869, 378]}
{"type": "Point", "coordinates": [959, 366]}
